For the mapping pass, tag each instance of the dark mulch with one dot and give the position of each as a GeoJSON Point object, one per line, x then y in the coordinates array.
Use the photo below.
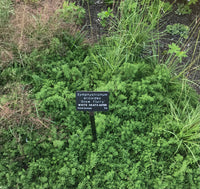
{"type": "Point", "coordinates": [190, 45]}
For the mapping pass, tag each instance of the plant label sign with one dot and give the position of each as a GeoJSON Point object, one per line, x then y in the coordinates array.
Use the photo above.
{"type": "Point", "coordinates": [92, 101]}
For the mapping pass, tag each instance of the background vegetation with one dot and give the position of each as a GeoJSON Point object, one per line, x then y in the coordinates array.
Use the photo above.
{"type": "Point", "coordinates": [148, 139]}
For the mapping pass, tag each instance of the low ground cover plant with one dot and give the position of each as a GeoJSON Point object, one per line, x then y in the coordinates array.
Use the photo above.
{"type": "Point", "coordinates": [104, 16]}
{"type": "Point", "coordinates": [178, 29]}
{"type": "Point", "coordinates": [148, 139]}
{"type": "Point", "coordinates": [183, 7]}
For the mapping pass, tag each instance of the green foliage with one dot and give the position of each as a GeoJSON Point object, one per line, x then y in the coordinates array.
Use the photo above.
{"type": "Point", "coordinates": [183, 9]}
{"type": "Point", "coordinates": [173, 48]}
{"type": "Point", "coordinates": [136, 28]}
{"type": "Point", "coordinates": [104, 15]}
{"type": "Point", "coordinates": [178, 29]}
{"type": "Point", "coordinates": [108, 2]}
{"type": "Point", "coordinates": [148, 139]}
{"type": "Point", "coordinates": [56, 79]}
{"type": "Point", "coordinates": [187, 132]}
{"type": "Point", "coordinates": [72, 13]}
{"type": "Point", "coordinates": [133, 149]}
{"type": "Point", "coordinates": [10, 74]}
{"type": "Point", "coordinates": [6, 10]}
{"type": "Point", "coordinates": [190, 2]}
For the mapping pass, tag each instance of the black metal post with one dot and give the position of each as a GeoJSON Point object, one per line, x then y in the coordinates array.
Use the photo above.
{"type": "Point", "coordinates": [92, 120]}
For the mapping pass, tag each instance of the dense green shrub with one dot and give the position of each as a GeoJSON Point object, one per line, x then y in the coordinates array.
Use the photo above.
{"type": "Point", "coordinates": [145, 140]}
{"type": "Point", "coordinates": [135, 146]}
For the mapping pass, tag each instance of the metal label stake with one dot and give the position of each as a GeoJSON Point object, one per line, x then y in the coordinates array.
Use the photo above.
{"type": "Point", "coordinates": [92, 101]}
{"type": "Point", "coordinates": [93, 127]}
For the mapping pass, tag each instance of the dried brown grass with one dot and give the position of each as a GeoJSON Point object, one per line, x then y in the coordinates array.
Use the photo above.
{"type": "Point", "coordinates": [6, 56]}
{"type": "Point", "coordinates": [16, 109]}
{"type": "Point", "coordinates": [35, 25]}
{"type": "Point", "coordinates": [32, 26]}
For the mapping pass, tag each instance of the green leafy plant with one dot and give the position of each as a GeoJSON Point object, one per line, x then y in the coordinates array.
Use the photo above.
{"type": "Point", "coordinates": [183, 9]}
{"type": "Point", "coordinates": [190, 2]}
{"type": "Point", "coordinates": [104, 16]}
{"type": "Point", "coordinates": [175, 49]}
{"type": "Point", "coordinates": [72, 13]}
{"type": "Point", "coordinates": [174, 59]}
{"type": "Point", "coordinates": [178, 29]}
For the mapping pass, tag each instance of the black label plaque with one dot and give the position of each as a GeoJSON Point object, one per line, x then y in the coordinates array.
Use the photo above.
{"type": "Point", "coordinates": [92, 101]}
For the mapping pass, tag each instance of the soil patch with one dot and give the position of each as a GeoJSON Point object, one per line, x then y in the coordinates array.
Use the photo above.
{"type": "Point", "coordinates": [191, 45]}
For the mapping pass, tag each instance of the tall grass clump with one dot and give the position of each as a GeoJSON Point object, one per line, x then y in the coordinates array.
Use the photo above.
{"type": "Point", "coordinates": [6, 10]}
{"type": "Point", "coordinates": [132, 33]}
